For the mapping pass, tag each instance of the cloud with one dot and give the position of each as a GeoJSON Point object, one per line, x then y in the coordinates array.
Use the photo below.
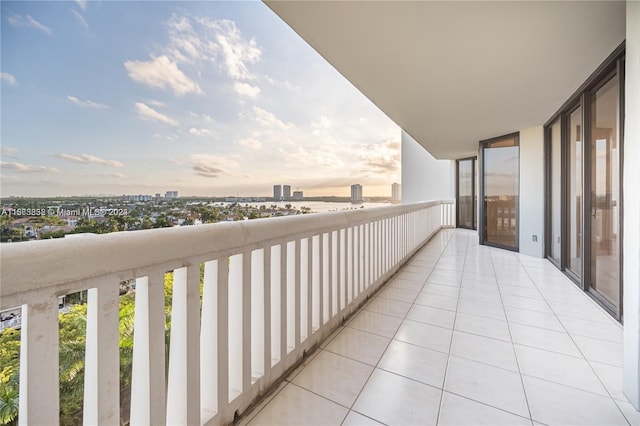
{"type": "Point", "coordinates": [147, 113]}
{"type": "Point", "coordinates": [381, 158]}
{"type": "Point", "coordinates": [90, 159]}
{"type": "Point", "coordinates": [213, 40]}
{"type": "Point", "coordinates": [200, 132]}
{"type": "Point", "coordinates": [322, 123]}
{"type": "Point", "coordinates": [236, 51]}
{"type": "Point", "coordinates": [9, 78]}
{"type": "Point", "coordinates": [161, 73]}
{"type": "Point", "coordinates": [8, 178]}
{"type": "Point", "coordinates": [9, 152]}
{"type": "Point", "coordinates": [156, 103]}
{"type": "Point", "coordinates": [87, 103]}
{"type": "Point", "coordinates": [176, 162]}
{"type": "Point", "coordinates": [250, 143]}
{"type": "Point", "coordinates": [245, 89]}
{"type": "Point", "coordinates": [27, 168]}
{"type": "Point", "coordinates": [211, 165]}
{"type": "Point", "coordinates": [114, 175]}
{"type": "Point", "coordinates": [82, 4]}
{"type": "Point", "coordinates": [80, 19]}
{"type": "Point", "coordinates": [28, 21]}
{"type": "Point", "coordinates": [204, 117]}
{"type": "Point", "coordinates": [268, 119]}
{"type": "Point", "coordinates": [185, 45]}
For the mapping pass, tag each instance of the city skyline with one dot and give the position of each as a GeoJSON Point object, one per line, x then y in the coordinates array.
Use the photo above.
{"type": "Point", "coordinates": [191, 96]}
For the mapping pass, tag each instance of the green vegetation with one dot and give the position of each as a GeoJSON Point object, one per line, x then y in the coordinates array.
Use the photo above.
{"type": "Point", "coordinates": [56, 217]}
{"type": "Point", "coordinates": [72, 326]}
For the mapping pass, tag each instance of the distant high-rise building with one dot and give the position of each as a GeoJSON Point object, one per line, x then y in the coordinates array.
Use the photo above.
{"type": "Point", "coordinates": [286, 189]}
{"type": "Point", "coordinates": [171, 194]}
{"type": "Point", "coordinates": [277, 192]}
{"type": "Point", "coordinates": [298, 195]}
{"type": "Point", "coordinates": [356, 193]}
{"type": "Point", "coordinates": [395, 193]}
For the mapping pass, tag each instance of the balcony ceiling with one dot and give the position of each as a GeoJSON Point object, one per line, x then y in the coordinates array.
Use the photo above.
{"type": "Point", "coordinates": [454, 73]}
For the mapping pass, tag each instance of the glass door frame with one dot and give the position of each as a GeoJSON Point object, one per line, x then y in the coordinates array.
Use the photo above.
{"type": "Point", "coordinates": [481, 204]}
{"type": "Point", "coordinates": [548, 182]}
{"type": "Point", "coordinates": [612, 67]}
{"type": "Point", "coordinates": [565, 231]}
{"type": "Point", "coordinates": [474, 209]}
{"type": "Point", "coordinates": [614, 72]}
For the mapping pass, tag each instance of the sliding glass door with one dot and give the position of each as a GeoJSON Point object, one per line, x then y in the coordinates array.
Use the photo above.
{"type": "Point", "coordinates": [466, 202]}
{"type": "Point", "coordinates": [605, 192]}
{"type": "Point", "coordinates": [584, 157]}
{"type": "Point", "coordinates": [500, 159]}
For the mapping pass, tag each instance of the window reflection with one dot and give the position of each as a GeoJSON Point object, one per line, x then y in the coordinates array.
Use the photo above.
{"type": "Point", "coordinates": [466, 205]}
{"type": "Point", "coordinates": [605, 192]}
{"type": "Point", "coordinates": [574, 206]}
{"type": "Point", "coordinates": [501, 192]}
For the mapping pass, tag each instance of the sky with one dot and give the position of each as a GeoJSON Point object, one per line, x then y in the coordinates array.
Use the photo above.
{"type": "Point", "coordinates": [206, 98]}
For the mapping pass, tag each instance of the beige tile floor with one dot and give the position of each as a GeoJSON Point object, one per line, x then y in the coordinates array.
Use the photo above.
{"type": "Point", "coordinates": [464, 335]}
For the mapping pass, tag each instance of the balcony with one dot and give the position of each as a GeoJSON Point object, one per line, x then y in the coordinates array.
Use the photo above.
{"type": "Point", "coordinates": [271, 291]}
{"type": "Point", "coordinates": [464, 334]}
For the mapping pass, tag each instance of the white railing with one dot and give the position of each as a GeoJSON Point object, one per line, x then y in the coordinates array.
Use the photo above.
{"type": "Point", "coordinates": [272, 290]}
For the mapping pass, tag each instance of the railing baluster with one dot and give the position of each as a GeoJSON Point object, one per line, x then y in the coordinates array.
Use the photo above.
{"type": "Point", "coordinates": [39, 394]}
{"type": "Point", "coordinates": [315, 280]}
{"type": "Point", "coordinates": [102, 357]}
{"type": "Point", "coordinates": [293, 294]}
{"type": "Point", "coordinates": [355, 269]}
{"type": "Point", "coordinates": [287, 331]}
{"type": "Point", "coordinates": [366, 238]}
{"type": "Point", "coordinates": [223, 333]}
{"type": "Point", "coordinates": [317, 273]}
{"type": "Point", "coordinates": [266, 307]}
{"type": "Point", "coordinates": [247, 315]}
{"type": "Point", "coordinates": [361, 258]}
{"type": "Point", "coordinates": [342, 269]}
{"type": "Point", "coordinates": [148, 366]}
{"type": "Point", "coordinates": [236, 325]}
{"type": "Point", "coordinates": [278, 304]}
{"type": "Point", "coordinates": [209, 342]}
{"type": "Point", "coordinates": [350, 265]}
{"type": "Point", "coordinates": [183, 390]}
{"type": "Point", "coordinates": [258, 318]}
{"type": "Point", "coordinates": [325, 278]}
{"type": "Point", "coordinates": [301, 288]}
{"type": "Point", "coordinates": [334, 285]}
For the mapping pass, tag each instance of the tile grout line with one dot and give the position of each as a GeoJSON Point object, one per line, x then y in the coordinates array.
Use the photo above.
{"type": "Point", "coordinates": [387, 348]}
{"type": "Point", "coordinates": [453, 328]}
{"type": "Point", "coordinates": [579, 349]}
{"type": "Point", "coordinates": [513, 346]}
{"type": "Point", "coordinates": [349, 409]}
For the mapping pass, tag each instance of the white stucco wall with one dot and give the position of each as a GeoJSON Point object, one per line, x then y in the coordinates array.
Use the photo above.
{"type": "Point", "coordinates": [532, 191]}
{"type": "Point", "coordinates": [423, 177]}
{"type": "Point", "coordinates": [631, 226]}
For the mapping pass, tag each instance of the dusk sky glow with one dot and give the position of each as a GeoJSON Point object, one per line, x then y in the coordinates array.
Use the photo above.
{"type": "Point", "coordinates": [206, 98]}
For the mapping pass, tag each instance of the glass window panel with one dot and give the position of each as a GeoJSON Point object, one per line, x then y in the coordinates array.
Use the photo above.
{"type": "Point", "coordinates": [574, 192]}
{"type": "Point", "coordinates": [465, 193]}
{"type": "Point", "coordinates": [475, 194]}
{"type": "Point", "coordinates": [605, 192]}
{"type": "Point", "coordinates": [556, 202]}
{"type": "Point", "coordinates": [501, 192]}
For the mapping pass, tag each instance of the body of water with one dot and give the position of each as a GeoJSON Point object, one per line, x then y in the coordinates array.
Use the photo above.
{"type": "Point", "coordinates": [319, 206]}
